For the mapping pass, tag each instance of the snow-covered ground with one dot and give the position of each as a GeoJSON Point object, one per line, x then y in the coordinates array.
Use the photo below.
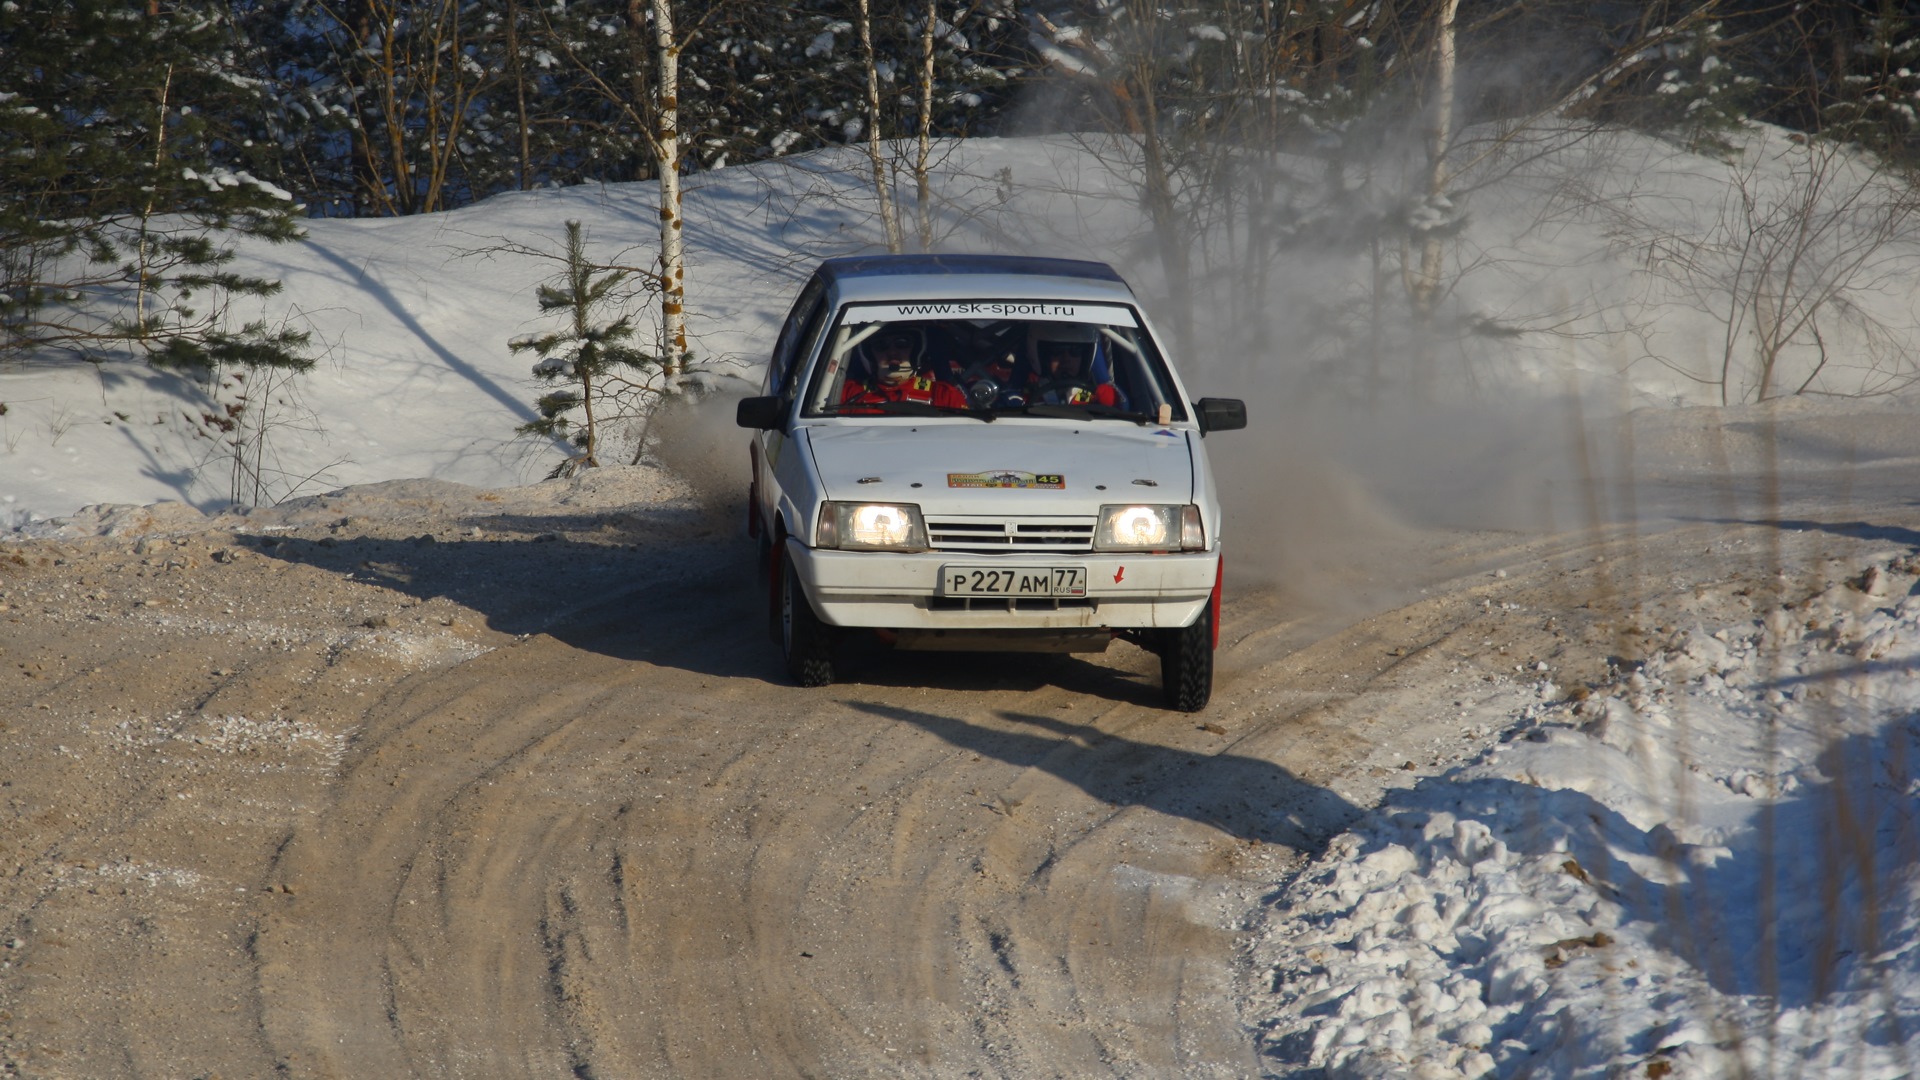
{"type": "Point", "coordinates": [1703, 868]}
{"type": "Point", "coordinates": [1599, 272]}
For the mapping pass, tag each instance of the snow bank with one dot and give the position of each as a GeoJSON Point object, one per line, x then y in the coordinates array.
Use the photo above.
{"type": "Point", "coordinates": [1705, 868]}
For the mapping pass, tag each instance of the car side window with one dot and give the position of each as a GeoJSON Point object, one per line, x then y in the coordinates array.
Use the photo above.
{"type": "Point", "coordinates": [810, 334]}
{"type": "Point", "coordinates": [1138, 372]}
{"type": "Point", "coordinates": [802, 324]}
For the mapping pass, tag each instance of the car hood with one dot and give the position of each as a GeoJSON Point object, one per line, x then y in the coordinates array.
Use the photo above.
{"type": "Point", "coordinates": [1050, 467]}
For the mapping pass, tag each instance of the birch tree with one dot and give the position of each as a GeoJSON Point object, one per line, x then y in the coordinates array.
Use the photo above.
{"type": "Point", "coordinates": [665, 143]}
{"type": "Point", "coordinates": [1423, 280]}
{"type": "Point", "coordinates": [923, 150]}
{"type": "Point", "coordinates": [882, 178]}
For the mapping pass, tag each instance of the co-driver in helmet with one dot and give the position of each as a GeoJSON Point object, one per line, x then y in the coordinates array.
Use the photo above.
{"type": "Point", "coordinates": [1062, 355]}
{"type": "Point", "coordinates": [893, 351]}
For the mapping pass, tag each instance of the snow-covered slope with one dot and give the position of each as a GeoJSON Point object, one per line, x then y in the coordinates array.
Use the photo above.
{"type": "Point", "coordinates": [1587, 271]}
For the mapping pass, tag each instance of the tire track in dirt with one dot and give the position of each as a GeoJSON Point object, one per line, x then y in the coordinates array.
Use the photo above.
{"type": "Point", "coordinates": [626, 847]}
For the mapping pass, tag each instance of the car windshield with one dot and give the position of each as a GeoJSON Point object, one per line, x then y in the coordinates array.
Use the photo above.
{"type": "Point", "coordinates": [1069, 361]}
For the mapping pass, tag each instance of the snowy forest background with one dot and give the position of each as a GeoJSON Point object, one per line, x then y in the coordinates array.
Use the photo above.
{"type": "Point", "coordinates": [379, 107]}
{"type": "Point", "coordinates": [1715, 197]}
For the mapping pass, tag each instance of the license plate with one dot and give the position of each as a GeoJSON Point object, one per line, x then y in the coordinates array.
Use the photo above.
{"type": "Point", "coordinates": [1040, 581]}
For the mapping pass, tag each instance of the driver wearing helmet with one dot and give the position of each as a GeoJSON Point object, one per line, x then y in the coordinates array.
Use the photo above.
{"type": "Point", "coordinates": [894, 355]}
{"type": "Point", "coordinates": [1062, 356]}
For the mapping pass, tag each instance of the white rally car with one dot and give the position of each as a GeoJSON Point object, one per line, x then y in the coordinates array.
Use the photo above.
{"type": "Point", "coordinates": [1031, 477]}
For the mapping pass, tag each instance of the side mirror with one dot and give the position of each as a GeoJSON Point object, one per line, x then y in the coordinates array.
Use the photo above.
{"type": "Point", "coordinates": [1218, 414]}
{"type": "Point", "coordinates": [761, 413]}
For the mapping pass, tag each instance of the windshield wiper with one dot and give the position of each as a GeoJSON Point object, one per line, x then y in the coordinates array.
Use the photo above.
{"type": "Point", "coordinates": [1092, 409]}
{"type": "Point", "coordinates": [908, 408]}
{"type": "Point", "coordinates": [888, 408]}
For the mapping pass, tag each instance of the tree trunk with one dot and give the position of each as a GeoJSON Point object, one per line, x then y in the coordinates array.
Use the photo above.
{"type": "Point", "coordinates": [392, 73]}
{"type": "Point", "coordinates": [882, 186]}
{"type": "Point", "coordinates": [666, 148]}
{"type": "Point", "coordinates": [1426, 283]}
{"type": "Point", "coordinates": [922, 187]}
{"type": "Point", "coordinates": [1170, 233]}
{"type": "Point", "coordinates": [143, 277]}
{"type": "Point", "coordinates": [369, 179]}
{"type": "Point", "coordinates": [518, 70]}
{"type": "Point", "coordinates": [445, 93]}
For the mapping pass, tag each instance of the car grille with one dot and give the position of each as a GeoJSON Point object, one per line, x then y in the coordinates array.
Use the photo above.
{"type": "Point", "coordinates": [1006, 603]}
{"type": "Point", "coordinates": [1000, 536]}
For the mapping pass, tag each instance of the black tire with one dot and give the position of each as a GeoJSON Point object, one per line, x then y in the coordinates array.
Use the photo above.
{"type": "Point", "coordinates": [1186, 664]}
{"type": "Point", "coordinates": [770, 580]}
{"type": "Point", "coordinates": [805, 641]}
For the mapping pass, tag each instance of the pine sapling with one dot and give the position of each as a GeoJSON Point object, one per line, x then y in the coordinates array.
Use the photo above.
{"type": "Point", "coordinates": [593, 369]}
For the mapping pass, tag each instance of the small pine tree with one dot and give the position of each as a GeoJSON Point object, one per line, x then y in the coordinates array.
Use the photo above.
{"type": "Point", "coordinates": [1876, 98]}
{"type": "Point", "coordinates": [120, 167]}
{"type": "Point", "coordinates": [597, 375]}
{"type": "Point", "coordinates": [1677, 77]}
{"type": "Point", "coordinates": [1704, 97]}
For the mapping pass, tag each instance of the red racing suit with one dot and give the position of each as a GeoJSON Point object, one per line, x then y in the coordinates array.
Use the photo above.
{"type": "Point", "coordinates": [1069, 394]}
{"type": "Point", "coordinates": [919, 388]}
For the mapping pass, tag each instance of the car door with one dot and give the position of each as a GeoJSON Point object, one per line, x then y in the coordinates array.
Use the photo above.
{"type": "Point", "coordinates": [798, 336]}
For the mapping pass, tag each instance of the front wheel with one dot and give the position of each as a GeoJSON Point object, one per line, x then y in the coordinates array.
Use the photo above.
{"type": "Point", "coordinates": [1186, 664]}
{"type": "Point", "coordinates": [806, 642]}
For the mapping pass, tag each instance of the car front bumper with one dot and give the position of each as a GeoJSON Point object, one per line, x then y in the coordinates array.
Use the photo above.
{"type": "Point", "coordinates": [889, 590]}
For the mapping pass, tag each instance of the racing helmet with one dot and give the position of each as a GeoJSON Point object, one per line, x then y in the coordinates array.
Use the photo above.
{"type": "Point", "coordinates": [1046, 337]}
{"type": "Point", "coordinates": [891, 335]}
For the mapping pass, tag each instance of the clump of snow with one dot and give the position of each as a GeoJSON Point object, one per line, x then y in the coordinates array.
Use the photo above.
{"type": "Point", "coordinates": [124, 873]}
{"type": "Point", "coordinates": [411, 649]}
{"type": "Point", "coordinates": [241, 734]}
{"type": "Point", "coordinates": [167, 518]}
{"type": "Point", "coordinates": [1704, 868]}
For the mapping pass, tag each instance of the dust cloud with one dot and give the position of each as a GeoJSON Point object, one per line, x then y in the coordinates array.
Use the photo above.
{"type": "Point", "coordinates": [1332, 499]}
{"type": "Point", "coordinates": [695, 438]}
{"type": "Point", "coordinates": [1352, 458]}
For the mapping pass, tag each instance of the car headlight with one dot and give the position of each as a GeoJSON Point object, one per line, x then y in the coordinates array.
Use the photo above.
{"type": "Point", "coordinates": [871, 527]}
{"type": "Point", "coordinates": [1149, 528]}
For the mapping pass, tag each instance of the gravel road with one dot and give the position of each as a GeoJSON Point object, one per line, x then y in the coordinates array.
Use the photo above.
{"type": "Point", "coordinates": [423, 780]}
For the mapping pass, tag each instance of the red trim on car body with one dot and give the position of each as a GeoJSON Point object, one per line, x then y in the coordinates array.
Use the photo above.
{"type": "Point", "coordinates": [1213, 601]}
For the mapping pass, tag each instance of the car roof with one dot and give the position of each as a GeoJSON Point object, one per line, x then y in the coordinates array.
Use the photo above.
{"type": "Point", "coordinates": [917, 277]}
